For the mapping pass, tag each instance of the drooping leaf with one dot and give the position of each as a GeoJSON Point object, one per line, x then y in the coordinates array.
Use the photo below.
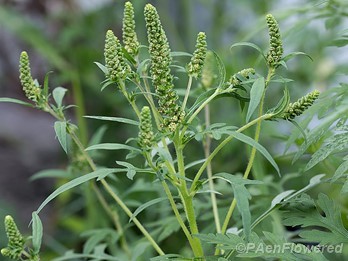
{"type": "Point", "coordinates": [112, 146]}
{"type": "Point", "coordinates": [256, 94]}
{"type": "Point", "coordinates": [61, 133]}
{"type": "Point", "coordinates": [73, 183]}
{"type": "Point", "coordinates": [116, 119]}
{"type": "Point", "coordinates": [12, 100]}
{"type": "Point", "coordinates": [51, 173]}
{"type": "Point", "coordinates": [102, 67]}
{"type": "Point", "coordinates": [246, 139]}
{"type": "Point", "coordinates": [254, 46]}
{"type": "Point", "coordinates": [242, 196]}
{"type": "Point", "coordinates": [146, 205]}
{"type": "Point", "coordinates": [37, 232]}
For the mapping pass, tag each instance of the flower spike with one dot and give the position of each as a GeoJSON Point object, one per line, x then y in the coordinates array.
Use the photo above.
{"type": "Point", "coordinates": [117, 67]}
{"type": "Point", "coordinates": [31, 89]}
{"type": "Point", "coordinates": [197, 61]}
{"type": "Point", "coordinates": [146, 137]}
{"type": "Point", "coordinates": [162, 79]}
{"type": "Point", "coordinates": [275, 53]}
{"type": "Point", "coordinates": [130, 39]}
{"type": "Point", "coordinates": [302, 104]}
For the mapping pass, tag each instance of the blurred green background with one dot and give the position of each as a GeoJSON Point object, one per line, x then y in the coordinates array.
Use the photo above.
{"type": "Point", "coordinates": [66, 37]}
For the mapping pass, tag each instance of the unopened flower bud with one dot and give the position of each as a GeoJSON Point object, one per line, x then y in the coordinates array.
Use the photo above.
{"type": "Point", "coordinates": [146, 136]}
{"type": "Point", "coordinates": [302, 104]}
{"type": "Point", "coordinates": [275, 52]}
{"type": "Point", "coordinates": [130, 39]}
{"type": "Point", "coordinates": [197, 61]}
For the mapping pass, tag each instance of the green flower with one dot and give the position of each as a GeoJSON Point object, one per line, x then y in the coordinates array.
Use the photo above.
{"type": "Point", "coordinates": [196, 64]}
{"type": "Point", "coordinates": [302, 104]}
{"type": "Point", "coordinates": [162, 79]}
{"type": "Point", "coordinates": [276, 48]}
{"type": "Point", "coordinates": [117, 67]}
{"type": "Point", "coordinates": [146, 136]}
{"type": "Point", "coordinates": [30, 87]}
{"type": "Point", "coordinates": [130, 39]}
{"type": "Point", "coordinates": [16, 241]}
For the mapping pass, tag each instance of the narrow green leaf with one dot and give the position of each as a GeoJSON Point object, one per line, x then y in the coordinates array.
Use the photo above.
{"type": "Point", "coordinates": [146, 205]}
{"type": "Point", "coordinates": [73, 183]}
{"type": "Point", "coordinates": [37, 232]}
{"type": "Point", "coordinates": [173, 54]}
{"type": "Point", "coordinates": [117, 119]}
{"type": "Point", "coordinates": [58, 95]}
{"type": "Point", "coordinates": [256, 93]}
{"type": "Point", "coordinates": [221, 70]}
{"type": "Point", "coordinates": [45, 86]}
{"type": "Point", "coordinates": [254, 46]}
{"type": "Point", "coordinates": [282, 104]}
{"type": "Point", "coordinates": [246, 139]}
{"type": "Point", "coordinates": [293, 54]}
{"type": "Point", "coordinates": [102, 68]}
{"type": "Point", "coordinates": [112, 146]}
{"type": "Point", "coordinates": [12, 100]}
{"type": "Point", "coordinates": [60, 129]}
{"type": "Point", "coordinates": [50, 173]}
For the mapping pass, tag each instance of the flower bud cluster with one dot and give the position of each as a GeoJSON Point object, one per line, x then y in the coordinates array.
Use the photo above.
{"type": "Point", "coordinates": [130, 39]}
{"type": "Point", "coordinates": [244, 73]}
{"type": "Point", "coordinates": [31, 89]}
{"type": "Point", "coordinates": [275, 53]}
{"type": "Point", "coordinates": [146, 136]}
{"type": "Point", "coordinates": [162, 79]}
{"type": "Point", "coordinates": [196, 64]}
{"type": "Point", "coordinates": [302, 104]}
{"type": "Point", "coordinates": [16, 241]}
{"type": "Point", "coordinates": [117, 67]}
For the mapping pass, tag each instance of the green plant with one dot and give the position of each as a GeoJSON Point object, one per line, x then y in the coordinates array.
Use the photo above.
{"type": "Point", "coordinates": [145, 76]}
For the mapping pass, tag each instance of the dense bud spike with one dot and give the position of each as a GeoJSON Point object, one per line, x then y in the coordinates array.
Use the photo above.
{"type": "Point", "coordinates": [31, 90]}
{"type": "Point", "coordinates": [117, 67]}
{"type": "Point", "coordinates": [302, 104]}
{"type": "Point", "coordinates": [197, 61]}
{"type": "Point", "coordinates": [146, 136]}
{"type": "Point", "coordinates": [130, 39]}
{"type": "Point", "coordinates": [16, 241]}
{"type": "Point", "coordinates": [244, 73]}
{"type": "Point", "coordinates": [162, 79]}
{"type": "Point", "coordinates": [276, 47]}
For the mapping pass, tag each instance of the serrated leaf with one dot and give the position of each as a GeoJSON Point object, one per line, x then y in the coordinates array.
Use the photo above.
{"type": "Point", "coordinates": [116, 119]}
{"type": "Point", "coordinates": [256, 94]}
{"type": "Point", "coordinates": [112, 146]}
{"type": "Point", "coordinates": [327, 217]}
{"type": "Point", "coordinates": [226, 242]}
{"type": "Point", "coordinates": [146, 205]}
{"type": "Point", "coordinates": [58, 95]}
{"type": "Point", "coordinates": [37, 232]}
{"type": "Point", "coordinates": [336, 143]}
{"type": "Point", "coordinates": [73, 183]}
{"type": "Point", "coordinates": [60, 129]}
{"type": "Point", "coordinates": [12, 100]}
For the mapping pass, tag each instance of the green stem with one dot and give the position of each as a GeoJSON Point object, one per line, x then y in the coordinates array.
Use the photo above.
{"type": "Point", "coordinates": [187, 199]}
{"type": "Point", "coordinates": [80, 110]}
{"type": "Point", "coordinates": [108, 188]}
{"type": "Point", "coordinates": [188, 88]}
{"type": "Point", "coordinates": [221, 145]}
{"type": "Point", "coordinates": [252, 155]}
{"type": "Point", "coordinates": [207, 145]}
